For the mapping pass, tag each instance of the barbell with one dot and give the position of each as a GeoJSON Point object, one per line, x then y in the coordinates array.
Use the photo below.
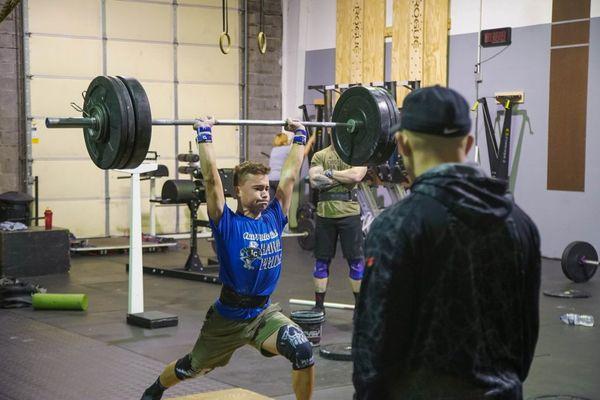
{"type": "Point", "coordinates": [117, 123]}
{"type": "Point", "coordinates": [579, 261]}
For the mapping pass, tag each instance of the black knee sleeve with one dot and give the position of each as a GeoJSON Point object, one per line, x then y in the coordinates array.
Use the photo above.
{"type": "Point", "coordinates": [183, 368]}
{"type": "Point", "coordinates": [293, 345]}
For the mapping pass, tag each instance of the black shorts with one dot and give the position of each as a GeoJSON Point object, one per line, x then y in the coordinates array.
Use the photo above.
{"type": "Point", "coordinates": [350, 232]}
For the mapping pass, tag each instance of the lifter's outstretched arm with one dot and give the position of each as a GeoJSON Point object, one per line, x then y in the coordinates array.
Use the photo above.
{"type": "Point", "coordinates": [215, 198]}
{"type": "Point", "coordinates": [291, 167]}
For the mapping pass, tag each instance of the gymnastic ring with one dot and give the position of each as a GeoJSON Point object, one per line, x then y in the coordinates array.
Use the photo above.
{"type": "Point", "coordinates": [225, 38]}
{"type": "Point", "coordinates": [262, 42]}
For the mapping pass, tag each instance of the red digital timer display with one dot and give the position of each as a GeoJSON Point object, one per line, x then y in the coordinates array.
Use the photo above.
{"type": "Point", "coordinates": [495, 37]}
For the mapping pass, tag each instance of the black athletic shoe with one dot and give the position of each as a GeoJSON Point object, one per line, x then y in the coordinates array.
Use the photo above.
{"type": "Point", "coordinates": [154, 392]}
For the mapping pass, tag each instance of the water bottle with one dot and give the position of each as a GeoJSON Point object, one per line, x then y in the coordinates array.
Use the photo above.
{"type": "Point", "coordinates": [577, 319]}
{"type": "Point", "coordinates": [48, 219]}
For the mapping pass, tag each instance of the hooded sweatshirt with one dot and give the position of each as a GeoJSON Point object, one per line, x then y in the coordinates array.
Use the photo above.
{"type": "Point", "coordinates": [448, 307]}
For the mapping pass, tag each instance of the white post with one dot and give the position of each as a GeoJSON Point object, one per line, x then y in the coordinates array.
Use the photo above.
{"type": "Point", "coordinates": [340, 306]}
{"type": "Point", "coordinates": [136, 279]}
{"type": "Point", "coordinates": [152, 207]}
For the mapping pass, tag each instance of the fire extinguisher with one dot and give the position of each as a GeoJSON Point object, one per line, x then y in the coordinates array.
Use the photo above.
{"type": "Point", "coordinates": [48, 218]}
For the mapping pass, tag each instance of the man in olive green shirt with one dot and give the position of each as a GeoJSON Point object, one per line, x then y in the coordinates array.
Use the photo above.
{"type": "Point", "coordinates": [338, 214]}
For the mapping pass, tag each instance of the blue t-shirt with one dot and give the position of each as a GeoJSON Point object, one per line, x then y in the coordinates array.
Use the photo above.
{"type": "Point", "coordinates": [249, 252]}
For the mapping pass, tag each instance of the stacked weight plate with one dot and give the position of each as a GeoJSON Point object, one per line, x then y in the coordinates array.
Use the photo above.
{"type": "Point", "coordinates": [375, 110]}
{"type": "Point", "coordinates": [122, 135]}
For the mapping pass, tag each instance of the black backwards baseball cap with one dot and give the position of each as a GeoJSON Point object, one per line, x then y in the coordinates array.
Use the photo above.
{"type": "Point", "coordinates": [435, 110]}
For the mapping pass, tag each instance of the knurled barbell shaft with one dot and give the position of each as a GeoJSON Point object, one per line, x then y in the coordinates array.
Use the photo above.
{"type": "Point", "coordinates": [93, 123]}
{"type": "Point", "coordinates": [252, 122]}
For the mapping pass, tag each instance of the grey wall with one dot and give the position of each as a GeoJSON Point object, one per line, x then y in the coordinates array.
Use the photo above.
{"type": "Point", "coordinates": [561, 217]}
{"type": "Point", "coordinates": [319, 70]}
{"type": "Point", "coordinates": [264, 76]}
{"type": "Point", "coordinates": [11, 125]}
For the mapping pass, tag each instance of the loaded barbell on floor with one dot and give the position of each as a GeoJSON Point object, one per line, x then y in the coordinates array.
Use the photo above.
{"type": "Point", "coordinates": [579, 261]}
{"type": "Point", "coordinates": [117, 123]}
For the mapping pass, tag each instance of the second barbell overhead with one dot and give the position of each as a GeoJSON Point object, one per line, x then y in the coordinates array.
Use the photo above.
{"type": "Point", "coordinates": [117, 123]}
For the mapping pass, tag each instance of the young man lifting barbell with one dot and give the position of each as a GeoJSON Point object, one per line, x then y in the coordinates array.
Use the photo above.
{"type": "Point", "coordinates": [248, 244]}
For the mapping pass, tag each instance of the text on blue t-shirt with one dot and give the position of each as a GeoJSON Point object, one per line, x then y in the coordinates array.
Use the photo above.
{"type": "Point", "coordinates": [249, 252]}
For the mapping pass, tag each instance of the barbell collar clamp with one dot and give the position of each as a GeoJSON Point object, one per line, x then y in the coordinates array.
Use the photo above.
{"type": "Point", "coordinates": [352, 125]}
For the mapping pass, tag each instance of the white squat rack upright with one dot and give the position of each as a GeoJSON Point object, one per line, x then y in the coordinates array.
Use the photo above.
{"type": "Point", "coordinates": [135, 307]}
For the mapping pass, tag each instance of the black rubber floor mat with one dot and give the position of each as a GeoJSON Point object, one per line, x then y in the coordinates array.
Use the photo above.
{"type": "Point", "coordinates": [40, 361]}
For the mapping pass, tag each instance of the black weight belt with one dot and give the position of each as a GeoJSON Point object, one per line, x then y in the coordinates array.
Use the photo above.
{"type": "Point", "coordinates": [339, 196]}
{"type": "Point", "coordinates": [230, 298]}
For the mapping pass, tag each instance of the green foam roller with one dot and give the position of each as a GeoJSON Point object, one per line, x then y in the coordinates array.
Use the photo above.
{"type": "Point", "coordinates": [59, 301]}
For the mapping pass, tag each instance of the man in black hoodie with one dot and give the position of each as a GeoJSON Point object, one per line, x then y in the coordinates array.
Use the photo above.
{"type": "Point", "coordinates": [449, 303]}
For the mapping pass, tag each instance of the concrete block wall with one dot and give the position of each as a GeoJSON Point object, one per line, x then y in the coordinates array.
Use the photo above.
{"type": "Point", "coordinates": [11, 132]}
{"type": "Point", "coordinates": [264, 76]}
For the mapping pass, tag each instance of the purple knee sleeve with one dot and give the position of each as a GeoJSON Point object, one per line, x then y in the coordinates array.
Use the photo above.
{"type": "Point", "coordinates": [357, 268]}
{"type": "Point", "coordinates": [321, 269]}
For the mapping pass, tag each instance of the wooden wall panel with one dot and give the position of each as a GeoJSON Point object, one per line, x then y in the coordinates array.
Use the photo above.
{"type": "Point", "coordinates": [435, 43]}
{"type": "Point", "coordinates": [416, 30]}
{"type": "Point", "coordinates": [567, 118]}
{"type": "Point", "coordinates": [360, 36]}
{"type": "Point", "coordinates": [564, 10]}
{"type": "Point", "coordinates": [420, 42]}
{"type": "Point", "coordinates": [356, 41]}
{"type": "Point", "coordinates": [374, 41]}
{"type": "Point", "coordinates": [343, 38]}
{"type": "Point", "coordinates": [400, 46]}
{"type": "Point", "coordinates": [569, 33]}
{"type": "Point", "coordinates": [349, 41]}
{"type": "Point", "coordinates": [567, 113]}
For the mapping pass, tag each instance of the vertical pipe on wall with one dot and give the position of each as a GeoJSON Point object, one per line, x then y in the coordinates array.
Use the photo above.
{"type": "Point", "coordinates": [37, 202]}
{"type": "Point", "coordinates": [243, 129]}
{"type": "Point", "coordinates": [175, 102]}
{"type": "Point", "coordinates": [22, 124]}
{"type": "Point", "coordinates": [104, 72]}
{"type": "Point", "coordinates": [478, 80]}
{"type": "Point", "coordinates": [27, 96]}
